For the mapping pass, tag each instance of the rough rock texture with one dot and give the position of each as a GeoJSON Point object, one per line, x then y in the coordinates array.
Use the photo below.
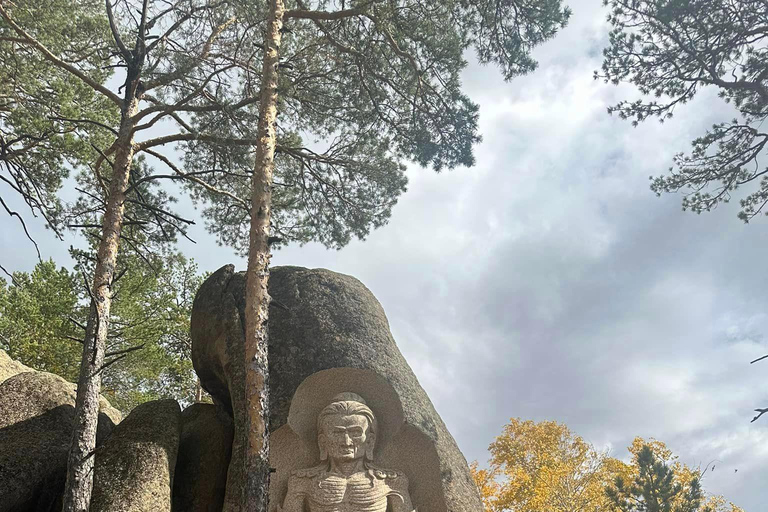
{"type": "Point", "coordinates": [10, 367]}
{"type": "Point", "coordinates": [332, 321]}
{"type": "Point", "coordinates": [204, 452]}
{"type": "Point", "coordinates": [36, 417]}
{"type": "Point", "coordinates": [135, 466]}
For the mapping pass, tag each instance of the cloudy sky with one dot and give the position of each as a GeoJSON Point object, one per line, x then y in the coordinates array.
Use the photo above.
{"type": "Point", "coordinates": [548, 282]}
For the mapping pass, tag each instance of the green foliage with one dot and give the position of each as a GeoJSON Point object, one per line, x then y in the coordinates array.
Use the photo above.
{"type": "Point", "coordinates": [359, 95]}
{"type": "Point", "coordinates": [151, 309]}
{"type": "Point", "coordinates": [34, 319]}
{"type": "Point", "coordinates": [48, 119]}
{"type": "Point", "coordinates": [671, 49]}
{"type": "Point", "coordinates": [654, 488]}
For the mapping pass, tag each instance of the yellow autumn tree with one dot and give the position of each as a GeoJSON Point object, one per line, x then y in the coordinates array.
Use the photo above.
{"type": "Point", "coordinates": [545, 466]}
{"type": "Point", "coordinates": [536, 467]}
{"type": "Point", "coordinates": [485, 479]}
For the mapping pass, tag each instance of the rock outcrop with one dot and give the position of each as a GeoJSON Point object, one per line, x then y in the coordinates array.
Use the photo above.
{"type": "Point", "coordinates": [10, 367]}
{"type": "Point", "coordinates": [134, 468]}
{"type": "Point", "coordinates": [204, 452]}
{"type": "Point", "coordinates": [37, 412]}
{"type": "Point", "coordinates": [324, 320]}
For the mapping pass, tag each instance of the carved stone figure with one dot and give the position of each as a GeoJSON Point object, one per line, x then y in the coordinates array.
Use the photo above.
{"type": "Point", "coordinates": [346, 480]}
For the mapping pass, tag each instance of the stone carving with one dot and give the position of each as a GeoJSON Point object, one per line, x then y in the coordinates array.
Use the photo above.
{"type": "Point", "coordinates": [329, 321]}
{"type": "Point", "coordinates": [346, 479]}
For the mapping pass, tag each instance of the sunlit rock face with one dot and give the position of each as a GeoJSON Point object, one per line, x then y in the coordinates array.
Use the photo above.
{"type": "Point", "coordinates": [134, 468]}
{"type": "Point", "coordinates": [37, 414]}
{"type": "Point", "coordinates": [322, 320]}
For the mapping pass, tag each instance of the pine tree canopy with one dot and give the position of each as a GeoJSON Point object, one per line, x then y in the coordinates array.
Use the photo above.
{"type": "Point", "coordinates": [671, 50]}
{"type": "Point", "coordinates": [364, 87]}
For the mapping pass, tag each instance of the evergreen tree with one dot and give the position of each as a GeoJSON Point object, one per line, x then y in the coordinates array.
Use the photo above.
{"type": "Point", "coordinates": [671, 50]}
{"type": "Point", "coordinates": [654, 488]}
{"type": "Point", "coordinates": [42, 315]}
{"type": "Point", "coordinates": [376, 81]}
{"type": "Point", "coordinates": [380, 80]}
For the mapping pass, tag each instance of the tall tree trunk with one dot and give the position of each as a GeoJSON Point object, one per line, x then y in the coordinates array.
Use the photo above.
{"type": "Point", "coordinates": [77, 492]}
{"type": "Point", "coordinates": [256, 495]}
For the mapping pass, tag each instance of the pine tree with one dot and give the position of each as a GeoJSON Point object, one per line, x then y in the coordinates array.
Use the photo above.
{"type": "Point", "coordinates": [654, 488]}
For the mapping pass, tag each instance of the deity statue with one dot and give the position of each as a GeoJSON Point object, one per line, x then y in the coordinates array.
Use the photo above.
{"type": "Point", "coordinates": [346, 480]}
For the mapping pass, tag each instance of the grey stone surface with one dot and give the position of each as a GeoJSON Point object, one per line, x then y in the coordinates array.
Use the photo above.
{"type": "Point", "coordinates": [135, 466]}
{"type": "Point", "coordinates": [332, 321]}
{"type": "Point", "coordinates": [204, 452]}
{"type": "Point", "coordinates": [10, 367]}
{"type": "Point", "coordinates": [37, 412]}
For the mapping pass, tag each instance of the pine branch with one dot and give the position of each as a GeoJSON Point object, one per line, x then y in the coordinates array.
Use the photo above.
{"type": "Point", "coordinates": [58, 62]}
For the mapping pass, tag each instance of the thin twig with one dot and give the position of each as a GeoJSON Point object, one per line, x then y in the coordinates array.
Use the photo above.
{"type": "Point", "coordinates": [124, 351]}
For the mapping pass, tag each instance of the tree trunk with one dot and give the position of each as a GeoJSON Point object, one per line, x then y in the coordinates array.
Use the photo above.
{"type": "Point", "coordinates": [77, 492]}
{"type": "Point", "coordinates": [256, 495]}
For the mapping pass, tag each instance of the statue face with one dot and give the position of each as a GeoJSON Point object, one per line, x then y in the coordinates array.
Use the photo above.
{"type": "Point", "coordinates": [346, 436]}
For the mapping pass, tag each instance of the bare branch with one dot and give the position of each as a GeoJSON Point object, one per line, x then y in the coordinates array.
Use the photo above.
{"type": "Point", "coordinates": [180, 137]}
{"type": "Point", "coordinates": [127, 57]}
{"type": "Point", "coordinates": [196, 180]}
{"type": "Point", "coordinates": [125, 350]}
{"type": "Point", "coordinates": [183, 70]}
{"type": "Point", "coordinates": [13, 280]}
{"type": "Point", "coordinates": [14, 213]}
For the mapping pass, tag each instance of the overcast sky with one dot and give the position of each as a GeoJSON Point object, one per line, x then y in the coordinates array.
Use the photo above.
{"type": "Point", "coordinates": [549, 283]}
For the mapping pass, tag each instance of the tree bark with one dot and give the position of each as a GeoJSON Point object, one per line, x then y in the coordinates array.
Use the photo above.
{"type": "Point", "coordinates": [256, 492]}
{"type": "Point", "coordinates": [77, 492]}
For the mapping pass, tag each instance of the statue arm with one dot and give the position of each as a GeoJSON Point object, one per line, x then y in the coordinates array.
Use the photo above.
{"type": "Point", "coordinates": [294, 499]}
{"type": "Point", "coordinates": [399, 500]}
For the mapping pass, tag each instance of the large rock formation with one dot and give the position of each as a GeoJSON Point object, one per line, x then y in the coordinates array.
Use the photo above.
{"type": "Point", "coordinates": [135, 466]}
{"type": "Point", "coordinates": [204, 452]}
{"type": "Point", "coordinates": [37, 412]}
{"type": "Point", "coordinates": [324, 320]}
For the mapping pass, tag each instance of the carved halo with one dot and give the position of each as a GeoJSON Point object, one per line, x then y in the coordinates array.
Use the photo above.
{"type": "Point", "coordinates": [319, 390]}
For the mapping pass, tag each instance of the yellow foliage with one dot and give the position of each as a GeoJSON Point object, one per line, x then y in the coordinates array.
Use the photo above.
{"type": "Point", "coordinates": [537, 467]}
{"type": "Point", "coordinates": [545, 467]}
{"type": "Point", "coordinates": [487, 484]}
{"type": "Point", "coordinates": [718, 504]}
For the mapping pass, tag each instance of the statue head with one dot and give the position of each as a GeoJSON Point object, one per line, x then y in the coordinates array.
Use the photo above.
{"type": "Point", "coordinates": [346, 429]}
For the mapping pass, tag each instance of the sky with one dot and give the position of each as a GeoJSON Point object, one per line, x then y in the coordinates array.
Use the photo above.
{"type": "Point", "coordinates": [549, 283]}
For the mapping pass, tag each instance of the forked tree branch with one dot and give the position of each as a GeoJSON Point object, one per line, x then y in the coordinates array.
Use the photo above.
{"type": "Point", "coordinates": [127, 57]}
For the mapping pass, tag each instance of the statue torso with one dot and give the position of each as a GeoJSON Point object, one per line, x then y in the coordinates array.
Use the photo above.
{"type": "Point", "coordinates": [368, 491]}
